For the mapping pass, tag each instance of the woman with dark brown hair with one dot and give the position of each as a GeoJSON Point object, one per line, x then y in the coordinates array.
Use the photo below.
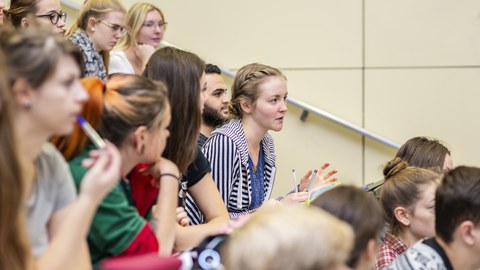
{"type": "Point", "coordinates": [14, 248]}
{"type": "Point", "coordinates": [183, 73]}
{"type": "Point", "coordinates": [43, 74]}
{"type": "Point", "coordinates": [408, 201]}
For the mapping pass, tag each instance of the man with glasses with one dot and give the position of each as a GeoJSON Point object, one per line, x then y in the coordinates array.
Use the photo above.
{"type": "Point", "coordinates": [48, 12]}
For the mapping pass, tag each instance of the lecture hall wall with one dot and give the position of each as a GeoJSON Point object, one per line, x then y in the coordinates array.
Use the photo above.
{"type": "Point", "coordinates": [397, 68]}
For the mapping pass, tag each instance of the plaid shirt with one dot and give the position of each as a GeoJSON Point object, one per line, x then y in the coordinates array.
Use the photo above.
{"type": "Point", "coordinates": [389, 250]}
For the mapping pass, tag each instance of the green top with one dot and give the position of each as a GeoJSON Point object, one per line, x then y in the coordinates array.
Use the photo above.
{"type": "Point", "coordinates": [116, 223]}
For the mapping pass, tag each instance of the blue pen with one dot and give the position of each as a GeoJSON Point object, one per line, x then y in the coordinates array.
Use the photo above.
{"type": "Point", "coordinates": [91, 133]}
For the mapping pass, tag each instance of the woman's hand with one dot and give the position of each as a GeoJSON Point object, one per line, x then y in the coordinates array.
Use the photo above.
{"type": "Point", "coordinates": [144, 51]}
{"type": "Point", "coordinates": [104, 172]}
{"type": "Point", "coordinates": [160, 170]}
{"type": "Point", "coordinates": [297, 197]}
{"type": "Point", "coordinates": [320, 178]}
{"type": "Point", "coordinates": [182, 217]}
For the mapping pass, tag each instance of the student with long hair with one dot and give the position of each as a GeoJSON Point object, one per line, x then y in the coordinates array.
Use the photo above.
{"type": "Point", "coordinates": [14, 249]}
{"type": "Point", "coordinates": [48, 12]}
{"type": "Point", "coordinates": [134, 114]}
{"type": "Point", "coordinates": [408, 201]}
{"type": "Point", "coordinates": [43, 74]}
{"type": "Point", "coordinates": [241, 152]}
{"type": "Point", "coordinates": [99, 26]}
{"type": "Point", "coordinates": [146, 27]}
{"type": "Point", "coordinates": [183, 73]}
{"type": "Point", "coordinates": [428, 153]}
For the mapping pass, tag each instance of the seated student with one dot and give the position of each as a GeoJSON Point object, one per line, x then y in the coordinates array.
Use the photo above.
{"type": "Point", "coordinates": [14, 249]}
{"type": "Point", "coordinates": [408, 200]}
{"type": "Point", "coordinates": [99, 26]}
{"type": "Point", "coordinates": [183, 73]}
{"type": "Point", "coordinates": [457, 225]}
{"type": "Point", "coordinates": [242, 152]}
{"type": "Point", "coordinates": [133, 113]}
{"type": "Point", "coordinates": [426, 153]}
{"type": "Point", "coordinates": [215, 109]}
{"type": "Point", "coordinates": [289, 237]}
{"type": "Point", "coordinates": [146, 24]}
{"type": "Point", "coordinates": [362, 211]}
{"type": "Point", "coordinates": [48, 12]}
{"type": "Point", "coordinates": [43, 72]}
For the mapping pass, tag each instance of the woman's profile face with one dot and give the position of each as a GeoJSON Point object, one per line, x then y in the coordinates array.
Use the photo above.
{"type": "Point", "coordinates": [158, 138]}
{"type": "Point", "coordinates": [58, 101]}
{"type": "Point", "coordinates": [53, 9]}
{"type": "Point", "coordinates": [422, 222]}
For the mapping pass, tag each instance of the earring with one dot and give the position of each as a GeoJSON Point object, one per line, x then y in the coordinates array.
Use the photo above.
{"type": "Point", "coordinates": [93, 29]}
{"type": "Point", "coordinates": [142, 149]}
{"type": "Point", "coordinates": [27, 104]}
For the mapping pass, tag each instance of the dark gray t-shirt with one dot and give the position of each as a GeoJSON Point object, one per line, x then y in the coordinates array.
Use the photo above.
{"type": "Point", "coordinates": [53, 188]}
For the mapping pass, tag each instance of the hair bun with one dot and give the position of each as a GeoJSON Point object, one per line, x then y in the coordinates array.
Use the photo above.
{"type": "Point", "coordinates": [393, 167]}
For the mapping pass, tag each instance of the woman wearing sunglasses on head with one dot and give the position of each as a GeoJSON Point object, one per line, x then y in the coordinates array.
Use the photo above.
{"type": "Point", "coordinates": [49, 13]}
{"type": "Point", "coordinates": [99, 26]}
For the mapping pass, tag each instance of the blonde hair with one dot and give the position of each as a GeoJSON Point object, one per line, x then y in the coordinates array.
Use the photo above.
{"type": "Point", "coordinates": [96, 9]}
{"type": "Point", "coordinates": [135, 18]}
{"type": "Point", "coordinates": [289, 237]}
{"type": "Point", "coordinates": [246, 85]}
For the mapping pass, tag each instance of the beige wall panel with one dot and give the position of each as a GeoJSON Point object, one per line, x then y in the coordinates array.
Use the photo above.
{"type": "Point", "coordinates": [307, 145]}
{"type": "Point", "coordinates": [440, 103]}
{"type": "Point", "coordinates": [338, 92]}
{"type": "Point", "coordinates": [376, 155]}
{"type": "Point", "coordinates": [303, 33]}
{"type": "Point", "coordinates": [422, 33]}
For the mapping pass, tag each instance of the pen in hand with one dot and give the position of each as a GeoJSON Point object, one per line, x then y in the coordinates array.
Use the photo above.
{"type": "Point", "coordinates": [91, 133]}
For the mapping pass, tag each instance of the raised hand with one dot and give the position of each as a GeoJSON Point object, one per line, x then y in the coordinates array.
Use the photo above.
{"type": "Point", "coordinates": [320, 179]}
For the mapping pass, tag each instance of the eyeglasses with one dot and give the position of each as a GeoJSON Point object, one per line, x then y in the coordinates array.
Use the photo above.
{"type": "Point", "coordinates": [151, 25]}
{"type": "Point", "coordinates": [55, 16]}
{"type": "Point", "coordinates": [116, 28]}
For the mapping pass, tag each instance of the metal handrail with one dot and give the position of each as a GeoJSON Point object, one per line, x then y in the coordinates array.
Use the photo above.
{"type": "Point", "coordinates": [302, 105]}
{"type": "Point", "coordinates": [319, 112]}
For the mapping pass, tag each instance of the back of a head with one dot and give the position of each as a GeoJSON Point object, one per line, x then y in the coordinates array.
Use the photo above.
{"type": "Point", "coordinates": [423, 152]}
{"type": "Point", "coordinates": [181, 71]}
{"type": "Point", "coordinates": [115, 108]}
{"type": "Point", "coordinates": [246, 85]}
{"type": "Point", "coordinates": [457, 200]}
{"type": "Point", "coordinates": [289, 237]}
{"type": "Point", "coordinates": [353, 205]}
{"type": "Point", "coordinates": [403, 187]}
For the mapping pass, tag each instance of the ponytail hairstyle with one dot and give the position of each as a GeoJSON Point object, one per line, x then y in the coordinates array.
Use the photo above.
{"type": "Point", "coordinates": [181, 71]}
{"type": "Point", "coordinates": [14, 247]}
{"type": "Point", "coordinates": [96, 9]}
{"type": "Point", "coordinates": [246, 85]}
{"type": "Point", "coordinates": [116, 109]}
{"type": "Point", "coordinates": [403, 187]}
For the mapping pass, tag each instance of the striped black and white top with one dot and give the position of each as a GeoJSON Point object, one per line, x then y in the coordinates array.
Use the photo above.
{"type": "Point", "coordinates": [227, 152]}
